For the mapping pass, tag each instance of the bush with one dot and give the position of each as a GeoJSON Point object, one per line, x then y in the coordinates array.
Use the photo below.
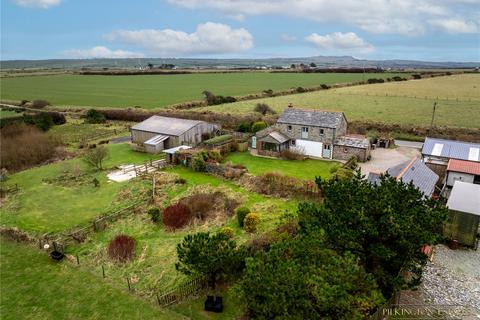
{"type": "Point", "coordinates": [176, 216]}
{"type": "Point", "coordinates": [301, 90]}
{"type": "Point", "coordinates": [292, 154]}
{"type": "Point", "coordinates": [95, 156]}
{"type": "Point", "coordinates": [416, 76]}
{"type": "Point", "coordinates": [251, 221]}
{"type": "Point", "coordinates": [39, 104]}
{"type": "Point", "coordinates": [121, 248]}
{"type": "Point", "coordinates": [57, 117]}
{"type": "Point", "coordinates": [244, 126]}
{"type": "Point", "coordinates": [324, 86]}
{"type": "Point", "coordinates": [228, 232]}
{"type": "Point", "coordinates": [214, 100]}
{"type": "Point", "coordinates": [93, 116]}
{"type": "Point", "coordinates": [241, 214]}
{"type": "Point", "coordinates": [154, 214]}
{"type": "Point", "coordinates": [259, 125]}
{"type": "Point", "coordinates": [198, 163]}
{"type": "Point", "coordinates": [263, 108]}
{"type": "Point", "coordinates": [200, 204]}
{"type": "Point", "coordinates": [24, 146]}
{"type": "Point", "coordinates": [268, 92]}
{"type": "Point", "coordinates": [42, 120]}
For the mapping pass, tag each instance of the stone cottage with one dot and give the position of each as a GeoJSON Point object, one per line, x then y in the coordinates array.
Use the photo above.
{"type": "Point", "coordinates": [318, 134]}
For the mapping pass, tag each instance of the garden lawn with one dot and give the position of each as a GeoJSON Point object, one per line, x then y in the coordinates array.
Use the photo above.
{"type": "Point", "coordinates": [304, 169]}
{"type": "Point", "coordinates": [405, 102]}
{"type": "Point", "coordinates": [35, 287]}
{"type": "Point", "coordinates": [49, 207]}
{"type": "Point", "coordinates": [158, 91]}
{"type": "Point", "coordinates": [153, 269]}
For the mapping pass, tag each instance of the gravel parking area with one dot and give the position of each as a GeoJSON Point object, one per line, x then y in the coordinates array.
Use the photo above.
{"type": "Point", "coordinates": [382, 159]}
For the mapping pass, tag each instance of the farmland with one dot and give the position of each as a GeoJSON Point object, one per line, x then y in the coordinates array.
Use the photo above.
{"type": "Point", "coordinates": [158, 91]}
{"type": "Point", "coordinates": [407, 102]}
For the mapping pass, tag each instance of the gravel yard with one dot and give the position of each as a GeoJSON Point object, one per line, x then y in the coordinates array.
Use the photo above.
{"type": "Point", "coordinates": [382, 159]}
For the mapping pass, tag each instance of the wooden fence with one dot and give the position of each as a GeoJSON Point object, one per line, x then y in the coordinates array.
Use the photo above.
{"type": "Point", "coordinates": [182, 292]}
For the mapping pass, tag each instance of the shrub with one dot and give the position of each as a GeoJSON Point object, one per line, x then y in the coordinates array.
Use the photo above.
{"type": "Point", "coordinates": [259, 125]}
{"type": "Point", "coordinates": [241, 214]}
{"type": "Point", "coordinates": [200, 204]}
{"type": "Point", "coordinates": [95, 156]}
{"type": "Point", "coordinates": [176, 216]}
{"type": "Point", "coordinates": [416, 76]}
{"type": "Point", "coordinates": [292, 154]}
{"type": "Point", "coordinates": [228, 232]}
{"type": "Point", "coordinates": [57, 117]}
{"type": "Point", "coordinates": [251, 221]}
{"type": "Point", "coordinates": [263, 108]}
{"type": "Point", "coordinates": [268, 92]}
{"type": "Point", "coordinates": [324, 86]}
{"type": "Point", "coordinates": [39, 104]}
{"type": "Point", "coordinates": [154, 214]}
{"type": "Point", "coordinates": [244, 126]}
{"type": "Point", "coordinates": [42, 120]}
{"type": "Point", "coordinates": [121, 248]}
{"type": "Point", "coordinates": [214, 100]}
{"type": "Point", "coordinates": [301, 90]}
{"type": "Point", "coordinates": [198, 163]}
{"type": "Point", "coordinates": [93, 116]}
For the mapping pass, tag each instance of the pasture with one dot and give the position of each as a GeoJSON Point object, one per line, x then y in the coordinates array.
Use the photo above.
{"type": "Point", "coordinates": [407, 102]}
{"type": "Point", "coordinates": [159, 91]}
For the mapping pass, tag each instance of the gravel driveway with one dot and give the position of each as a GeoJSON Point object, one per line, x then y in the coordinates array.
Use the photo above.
{"type": "Point", "coordinates": [382, 159]}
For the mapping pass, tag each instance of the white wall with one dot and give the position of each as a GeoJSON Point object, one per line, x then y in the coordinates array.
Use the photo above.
{"type": "Point", "coordinates": [458, 176]}
{"type": "Point", "coordinates": [311, 148]}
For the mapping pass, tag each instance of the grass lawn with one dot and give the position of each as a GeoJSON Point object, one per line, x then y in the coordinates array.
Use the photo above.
{"type": "Point", "coordinates": [153, 269]}
{"type": "Point", "coordinates": [407, 102]}
{"type": "Point", "coordinates": [9, 114]}
{"type": "Point", "coordinates": [306, 169]}
{"type": "Point", "coordinates": [51, 207]}
{"type": "Point", "coordinates": [34, 287]}
{"type": "Point", "coordinates": [157, 91]}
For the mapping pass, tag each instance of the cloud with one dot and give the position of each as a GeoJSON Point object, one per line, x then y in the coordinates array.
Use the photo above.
{"type": "Point", "coordinates": [455, 26]}
{"type": "Point", "coordinates": [407, 17]}
{"type": "Point", "coordinates": [340, 41]}
{"type": "Point", "coordinates": [101, 52]}
{"type": "Point", "coordinates": [208, 38]}
{"type": "Point", "coordinates": [288, 38]}
{"type": "Point", "coordinates": [44, 4]}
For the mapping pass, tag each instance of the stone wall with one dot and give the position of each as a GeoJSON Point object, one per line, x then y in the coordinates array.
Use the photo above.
{"type": "Point", "coordinates": [345, 153]}
{"type": "Point", "coordinates": [313, 132]}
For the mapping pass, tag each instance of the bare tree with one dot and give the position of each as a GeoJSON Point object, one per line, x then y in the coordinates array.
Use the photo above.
{"type": "Point", "coordinates": [95, 157]}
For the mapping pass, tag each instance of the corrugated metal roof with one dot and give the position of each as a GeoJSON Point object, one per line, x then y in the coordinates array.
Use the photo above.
{"type": "Point", "coordinates": [465, 197]}
{"type": "Point", "coordinates": [156, 140]}
{"type": "Point", "coordinates": [175, 149]}
{"type": "Point", "coordinates": [451, 149]}
{"type": "Point", "coordinates": [166, 125]}
{"type": "Point", "coordinates": [319, 118]}
{"type": "Point", "coordinates": [470, 167]}
{"type": "Point", "coordinates": [414, 171]}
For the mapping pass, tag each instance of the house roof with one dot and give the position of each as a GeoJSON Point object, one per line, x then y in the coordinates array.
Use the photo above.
{"type": "Point", "coordinates": [463, 166]}
{"type": "Point", "coordinates": [451, 149]}
{"type": "Point", "coordinates": [156, 140]}
{"type": "Point", "coordinates": [465, 197]}
{"type": "Point", "coordinates": [318, 118]}
{"type": "Point", "coordinates": [414, 171]}
{"type": "Point", "coordinates": [166, 125]}
{"type": "Point", "coordinates": [362, 143]}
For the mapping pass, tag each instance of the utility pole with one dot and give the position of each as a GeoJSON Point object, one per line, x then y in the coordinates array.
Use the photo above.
{"type": "Point", "coordinates": [433, 116]}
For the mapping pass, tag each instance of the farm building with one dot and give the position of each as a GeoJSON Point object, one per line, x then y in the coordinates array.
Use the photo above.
{"type": "Point", "coordinates": [437, 152]}
{"type": "Point", "coordinates": [316, 133]}
{"type": "Point", "coordinates": [461, 170]}
{"type": "Point", "coordinates": [414, 171]}
{"type": "Point", "coordinates": [158, 133]}
{"type": "Point", "coordinates": [464, 206]}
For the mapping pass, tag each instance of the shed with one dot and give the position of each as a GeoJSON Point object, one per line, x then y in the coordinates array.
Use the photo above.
{"type": "Point", "coordinates": [155, 144]}
{"type": "Point", "coordinates": [171, 154]}
{"type": "Point", "coordinates": [461, 170]}
{"type": "Point", "coordinates": [464, 206]}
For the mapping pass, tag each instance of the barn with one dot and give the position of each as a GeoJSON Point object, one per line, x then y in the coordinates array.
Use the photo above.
{"type": "Point", "coordinates": [158, 133]}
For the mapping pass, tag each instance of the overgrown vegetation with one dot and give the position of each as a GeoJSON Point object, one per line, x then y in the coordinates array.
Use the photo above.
{"type": "Point", "coordinates": [95, 157]}
{"type": "Point", "coordinates": [93, 116]}
{"type": "Point", "coordinates": [121, 248]}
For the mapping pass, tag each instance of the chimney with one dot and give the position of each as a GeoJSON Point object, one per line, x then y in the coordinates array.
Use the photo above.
{"type": "Point", "coordinates": [290, 105]}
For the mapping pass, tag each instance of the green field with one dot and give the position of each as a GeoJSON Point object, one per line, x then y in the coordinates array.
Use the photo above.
{"type": "Point", "coordinates": [408, 102]}
{"type": "Point", "coordinates": [48, 207]}
{"type": "Point", "coordinates": [306, 169]}
{"type": "Point", "coordinates": [157, 91]}
{"type": "Point", "coordinates": [9, 114]}
{"type": "Point", "coordinates": [34, 287]}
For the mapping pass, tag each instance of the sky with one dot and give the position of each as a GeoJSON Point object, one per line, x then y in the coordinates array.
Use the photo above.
{"type": "Point", "coordinates": [429, 30]}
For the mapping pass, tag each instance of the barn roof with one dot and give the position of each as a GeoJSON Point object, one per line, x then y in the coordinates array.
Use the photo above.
{"type": "Point", "coordinates": [166, 125]}
{"type": "Point", "coordinates": [451, 149]}
{"type": "Point", "coordinates": [328, 119]}
{"type": "Point", "coordinates": [463, 166]}
{"type": "Point", "coordinates": [414, 171]}
{"type": "Point", "coordinates": [465, 197]}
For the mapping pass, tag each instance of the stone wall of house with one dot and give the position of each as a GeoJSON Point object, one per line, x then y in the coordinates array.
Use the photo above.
{"type": "Point", "coordinates": [345, 153]}
{"type": "Point", "coordinates": [313, 132]}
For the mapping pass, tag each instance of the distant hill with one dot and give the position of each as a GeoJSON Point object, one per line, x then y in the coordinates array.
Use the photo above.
{"type": "Point", "coordinates": [320, 61]}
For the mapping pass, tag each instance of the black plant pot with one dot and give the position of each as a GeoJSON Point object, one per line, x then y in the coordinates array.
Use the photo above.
{"type": "Point", "coordinates": [56, 255]}
{"type": "Point", "coordinates": [214, 305]}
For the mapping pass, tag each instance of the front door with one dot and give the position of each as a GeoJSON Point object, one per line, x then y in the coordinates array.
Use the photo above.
{"type": "Point", "coordinates": [254, 142]}
{"type": "Point", "coordinates": [304, 132]}
{"type": "Point", "coordinates": [327, 152]}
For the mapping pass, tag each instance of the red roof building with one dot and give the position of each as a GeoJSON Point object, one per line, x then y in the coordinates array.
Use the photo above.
{"type": "Point", "coordinates": [464, 166]}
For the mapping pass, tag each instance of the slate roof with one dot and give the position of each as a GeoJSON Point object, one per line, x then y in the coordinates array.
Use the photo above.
{"type": "Point", "coordinates": [318, 118]}
{"type": "Point", "coordinates": [451, 149]}
{"type": "Point", "coordinates": [278, 136]}
{"type": "Point", "coordinates": [166, 125]}
{"type": "Point", "coordinates": [347, 141]}
{"type": "Point", "coordinates": [465, 197]}
{"type": "Point", "coordinates": [470, 167]}
{"type": "Point", "coordinates": [414, 171]}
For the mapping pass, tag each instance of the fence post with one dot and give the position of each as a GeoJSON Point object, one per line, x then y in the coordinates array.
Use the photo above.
{"type": "Point", "coordinates": [103, 271]}
{"type": "Point", "coordinates": [158, 299]}
{"type": "Point", "coordinates": [129, 286]}
{"type": "Point", "coordinates": [78, 260]}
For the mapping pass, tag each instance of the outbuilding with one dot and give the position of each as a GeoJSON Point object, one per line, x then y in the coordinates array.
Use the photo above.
{"type": "Point", "coordinates": [464, 206]}
{"type": "Point", "coordinates": [461, 170]}
{"type": "Point", "coordinates": [158, 133]}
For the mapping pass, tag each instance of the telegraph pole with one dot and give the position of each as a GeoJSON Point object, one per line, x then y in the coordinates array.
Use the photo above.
{"type": "Point", "coordinates": [433, 116]}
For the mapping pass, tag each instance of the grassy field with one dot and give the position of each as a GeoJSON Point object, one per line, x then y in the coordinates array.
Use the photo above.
{"type": "Point", "coordinates": [41, 206]}
{"type": "Point", "coordinates": [9, 114]}
{"type": "Point", "coordinates": [156, 91]}
{"type": "Point", "coordinates": [306, 169]}
{"type": "Point", "coordinates": [393, 102]}
{"type": "Point", "coordinates": [34, 287]}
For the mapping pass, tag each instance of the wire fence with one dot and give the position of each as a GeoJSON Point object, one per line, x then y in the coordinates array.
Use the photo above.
{"type": "Point", "coordinates": [422, 97]}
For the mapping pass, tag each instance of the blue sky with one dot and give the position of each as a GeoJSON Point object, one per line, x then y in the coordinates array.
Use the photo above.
{"type": "Point", "coordinates": [434, 30]}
